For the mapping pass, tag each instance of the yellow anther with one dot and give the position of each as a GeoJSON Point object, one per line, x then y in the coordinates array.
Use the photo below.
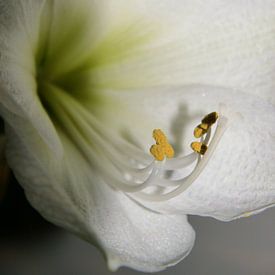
{"type": "Point", "coordinates": [200, 130]}
{"type": "Point", "coordinates": [169, 151]}
{"type": "Point", "coordinates": [210, 119]}
{"type": "Point", "coordinates": [199, 147]}
{"type": "Point", "coordinates": [162, 148]}
{"type": "Point", "coordinates": [205, 125]}
{"type": "Point", "coordinates": [157, 152]}
{"type": "Point", "coordinates": [159, 137]}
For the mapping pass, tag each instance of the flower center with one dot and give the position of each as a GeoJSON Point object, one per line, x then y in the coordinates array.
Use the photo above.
{"type": "Point", "coordinates": [79, 56]}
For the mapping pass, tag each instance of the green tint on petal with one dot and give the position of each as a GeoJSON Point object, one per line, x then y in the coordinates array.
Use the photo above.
{"type": "Point", "coordinates": [123, 45]}
{"type": "Point", "coordinates": [76, 55]}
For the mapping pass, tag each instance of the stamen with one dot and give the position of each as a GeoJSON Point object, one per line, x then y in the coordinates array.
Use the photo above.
{"type": "Point", "coordinates": [210, 119]}
{"type": "Point", "coordinates": [199, 147]}
{"type": "Point", "coordinates": [182, 184]}
{"type": "Point", "coordinates": [102, 149]}
{"type": "Point", "coordinates": [200, 130]}
{"type": "Point", "coordinates": [162, 148]}
{"type": "Point", "coordinates": [187, 181]}
{"type": "Point", "coordinates": [206, 123]}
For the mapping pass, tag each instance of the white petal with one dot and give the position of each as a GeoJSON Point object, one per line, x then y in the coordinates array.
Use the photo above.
{"type": "Point", "coordinates": [221, 43]}
{"type": "Point", "coordinates": [239, 179]}
{"type": "Point", "coordinates": [225, 43]}
{"type": "Point", "coordinates": [72, 195]}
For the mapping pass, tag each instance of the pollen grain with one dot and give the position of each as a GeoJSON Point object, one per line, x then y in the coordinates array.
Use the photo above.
{"type": "Point", "coordinates": [162, 148]}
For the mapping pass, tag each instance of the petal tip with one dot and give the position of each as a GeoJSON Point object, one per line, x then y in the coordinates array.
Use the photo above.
{"type": "Point", "coordinates": [113, 263]}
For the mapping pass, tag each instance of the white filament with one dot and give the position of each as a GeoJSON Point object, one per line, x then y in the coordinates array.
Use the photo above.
{"type": "Point", "coordinates": [186, 182]}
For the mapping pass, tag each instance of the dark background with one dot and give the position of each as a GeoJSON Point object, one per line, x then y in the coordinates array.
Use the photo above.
{"type": "Point", "coordinates": [29, 245]}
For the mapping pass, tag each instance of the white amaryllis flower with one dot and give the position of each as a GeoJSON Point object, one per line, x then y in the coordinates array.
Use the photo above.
{"type": "Point", "coordinates": [84, 83]}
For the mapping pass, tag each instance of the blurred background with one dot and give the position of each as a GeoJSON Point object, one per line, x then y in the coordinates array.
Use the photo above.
{"type": "Point", "coordinates": [31, 246]}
